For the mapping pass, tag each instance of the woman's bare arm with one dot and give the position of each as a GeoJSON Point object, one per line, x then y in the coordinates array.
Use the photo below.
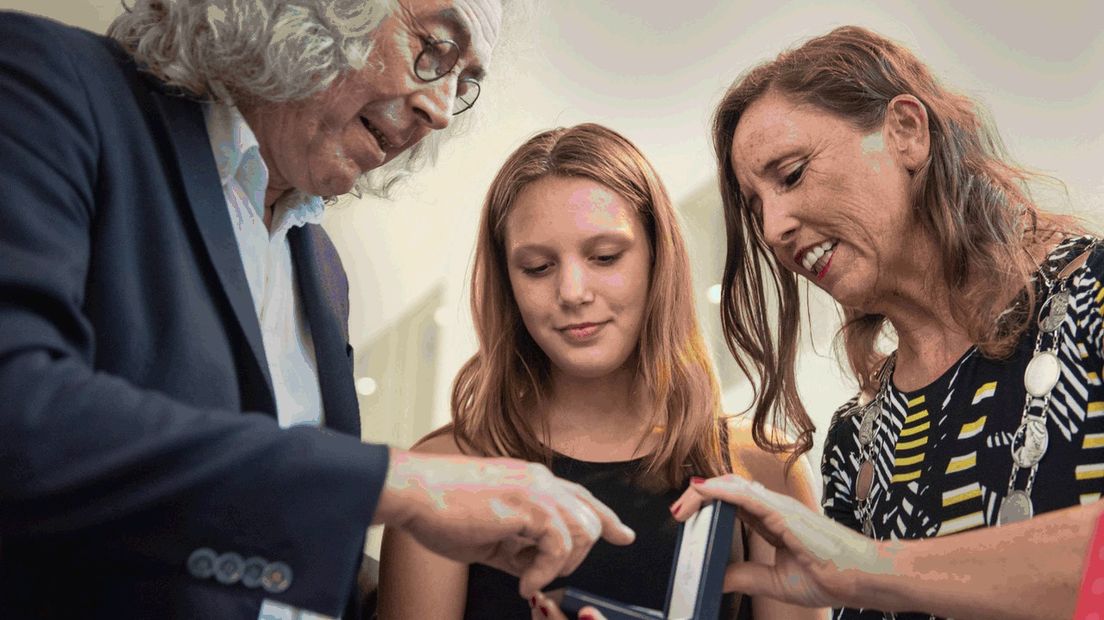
{"type": "Point", "coordinates": [1024, 571]}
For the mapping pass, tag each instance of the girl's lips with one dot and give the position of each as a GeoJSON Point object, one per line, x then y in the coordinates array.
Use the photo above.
{"type": "Point", "coordinates": [582, 331]}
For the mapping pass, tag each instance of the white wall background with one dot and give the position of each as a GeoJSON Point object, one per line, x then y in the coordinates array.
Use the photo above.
{"type": "Point", "coordinates": [653, 70]}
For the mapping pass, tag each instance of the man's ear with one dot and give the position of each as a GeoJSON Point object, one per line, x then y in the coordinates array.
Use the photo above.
{"type": "Point", "coordinates": [906, 127]}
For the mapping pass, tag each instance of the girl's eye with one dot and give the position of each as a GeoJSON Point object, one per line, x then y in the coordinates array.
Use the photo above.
{"type": "Point", "coordinates": [607, 259]}
{"type": "Point", "coordinates": [536, 271]}
{"type": "Point", "coordinates": [794, 177]}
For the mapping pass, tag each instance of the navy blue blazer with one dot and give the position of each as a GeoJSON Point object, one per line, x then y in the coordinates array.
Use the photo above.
{"type": "Point", "coordinates": [136, 414]}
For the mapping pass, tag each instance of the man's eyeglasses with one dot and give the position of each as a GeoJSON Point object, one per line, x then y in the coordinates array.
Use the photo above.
{"type": "Point", "coordinates": [435, 61]}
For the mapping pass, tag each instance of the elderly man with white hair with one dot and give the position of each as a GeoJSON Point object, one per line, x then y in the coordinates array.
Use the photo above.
{"type": "Point", "coordinates": [181, 436]}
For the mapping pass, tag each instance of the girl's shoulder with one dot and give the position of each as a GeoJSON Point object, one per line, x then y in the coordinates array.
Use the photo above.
{"type": "Point", "coordinates": [771, 469]}
{"type": "Point", "coordinates": [441, 441]}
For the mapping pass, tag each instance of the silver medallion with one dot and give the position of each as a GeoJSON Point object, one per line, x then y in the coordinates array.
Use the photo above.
{"type": "Point", "coordinates": [864, 481]}
{"type": "Point", "coordinates": [866, 428]}
{"type": "Point", "coordinates": [1054, 311]}
{"type": "Point", "coordinates": [1041, 374]}
{"type": "Point", "coordinates": [1015, 508]}
{"type": "Point", "coordinates": [1035, 441]}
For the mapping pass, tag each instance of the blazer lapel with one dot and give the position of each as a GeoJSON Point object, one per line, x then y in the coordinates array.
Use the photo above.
{"type": "Point", "coordinates": [187, 132]}
{"type": "Point", "coordinates": [324, 294]}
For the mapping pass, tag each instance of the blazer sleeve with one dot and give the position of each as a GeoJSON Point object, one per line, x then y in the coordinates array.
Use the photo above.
{"type": "Point", "coordinates": [128, 474]}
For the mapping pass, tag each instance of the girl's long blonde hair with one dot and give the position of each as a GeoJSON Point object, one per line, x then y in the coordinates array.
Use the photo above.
{"type": "Point", "coordinates": [498, 390]}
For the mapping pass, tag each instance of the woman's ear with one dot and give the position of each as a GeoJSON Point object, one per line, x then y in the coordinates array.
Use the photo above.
{"type": "Point", "coordinates": [906, 126]}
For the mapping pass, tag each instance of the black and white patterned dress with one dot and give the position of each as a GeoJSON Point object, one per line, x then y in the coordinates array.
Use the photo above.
{"type": "Point", "coordinates": [942, 455]}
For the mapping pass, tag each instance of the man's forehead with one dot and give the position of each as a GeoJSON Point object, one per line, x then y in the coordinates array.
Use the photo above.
{"type": "Point", "coordinates": [485, 18]}
{"type": "Point", "coordinates": [476, 20]}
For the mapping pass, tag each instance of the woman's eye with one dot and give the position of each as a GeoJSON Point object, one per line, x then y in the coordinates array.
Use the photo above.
{"type": "Point", "coordinates": [607, 259]}
{"type": "Point", "coordinates": [793, 177]}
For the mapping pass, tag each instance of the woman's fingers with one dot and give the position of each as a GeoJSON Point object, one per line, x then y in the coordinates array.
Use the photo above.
{"type": "Point", "coordinates": [739, 491]}
{"type": "Point", "coordinates": [751, 579]}
{"type": "Point", "coordinates": [590, 613]}
{"type": "Point", "coordinates": [695, 497]}
{"type": "Point", "coordinates": [763, 511]}
{"type": "Point", "coordinates": [786, 523]}
{"type": "Point", "coordinates": [812, 551]}
{"type": "Point", "coordinates": [729, 488]}
{"type": "Point", "coordinates": [687, 504]}
{"type": "Point", "coordinates": [755, 502]}
{"type": "Point", "coordinates": [544, 608]}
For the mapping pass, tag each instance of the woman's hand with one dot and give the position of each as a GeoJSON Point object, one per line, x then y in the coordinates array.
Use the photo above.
{"type": "Point", "coordinates": [817, 561]}
{"type": "Point", "coordinates": [545, 608]}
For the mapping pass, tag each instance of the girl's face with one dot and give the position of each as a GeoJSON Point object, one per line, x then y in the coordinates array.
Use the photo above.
{"type": "Point", "coordinates": [579, 261]}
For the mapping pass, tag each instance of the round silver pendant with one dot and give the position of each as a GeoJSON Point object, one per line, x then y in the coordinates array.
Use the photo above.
{"type": "Point", "coordinates": [1015, 508]}
{"type": "Point", "coordinates": [864, 481]}
{"type": "Point", "coordinates": [1041, 374]}
{"type": "Point", "coordinates": [1035, 440]}
{"type": "Point", "coordinates": [1054, 311]}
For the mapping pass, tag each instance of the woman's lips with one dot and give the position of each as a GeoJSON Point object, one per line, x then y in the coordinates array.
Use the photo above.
{"type": "Point", "coordinates": [824, 270]}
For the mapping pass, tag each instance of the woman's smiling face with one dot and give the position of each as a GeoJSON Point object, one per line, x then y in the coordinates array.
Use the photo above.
{"type": "Point", "coordinates": [833, 202]}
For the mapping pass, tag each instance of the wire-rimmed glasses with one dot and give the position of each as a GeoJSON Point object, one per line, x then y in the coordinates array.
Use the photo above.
{"type": "Point", "coordinates": [435, 61]}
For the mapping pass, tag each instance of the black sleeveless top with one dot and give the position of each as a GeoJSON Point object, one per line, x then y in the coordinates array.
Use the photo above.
{"type": "Point", "coordinates": [636, 574]}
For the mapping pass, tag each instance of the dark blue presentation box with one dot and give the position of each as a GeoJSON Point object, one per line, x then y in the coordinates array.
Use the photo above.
{"type": "Point", "coordinates": [697, 573]}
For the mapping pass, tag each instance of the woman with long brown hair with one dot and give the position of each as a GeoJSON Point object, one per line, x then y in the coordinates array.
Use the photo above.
{"type": "Point", "coordinates": [844, 163]}
{"type": "Point", "coordinates": [590, 360]}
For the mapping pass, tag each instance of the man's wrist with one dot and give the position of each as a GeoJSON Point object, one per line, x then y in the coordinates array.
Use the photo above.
{"type": "Point", "coordinates": [395, 502]}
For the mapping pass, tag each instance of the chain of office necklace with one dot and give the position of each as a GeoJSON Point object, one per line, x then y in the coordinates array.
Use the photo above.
{"type": "Point", "coordinates": [1029, 443]}
{"type": "Point", "coordinates": [871, 414]}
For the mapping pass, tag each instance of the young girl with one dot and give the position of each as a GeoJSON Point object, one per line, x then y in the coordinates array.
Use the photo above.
{"type": "Point", "coordinates": [590, 361]}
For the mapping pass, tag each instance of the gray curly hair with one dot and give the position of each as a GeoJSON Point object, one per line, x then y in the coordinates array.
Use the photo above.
{"type": "Point", "coordinates": [230, 51]}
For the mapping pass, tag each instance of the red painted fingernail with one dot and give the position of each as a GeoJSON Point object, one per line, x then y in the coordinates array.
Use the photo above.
{"type": "Point", "coordinates": [697, 480]}
{"type": "Point", "coordinates": [544, 611]}
{"type": "Point", "coordinates": [675, 507]}
{"type": "Point", "coordinates": [586, 615]}
{"type": "Point", "coordinates": [532, 601]}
